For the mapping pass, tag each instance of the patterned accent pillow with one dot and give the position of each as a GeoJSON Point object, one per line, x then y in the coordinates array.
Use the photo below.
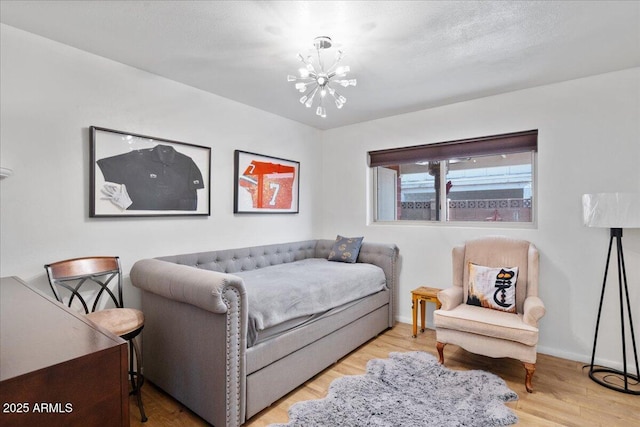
{"type": "Point", "coordinates": [345, 249]}
{"type": "Point", "coordinates": [493, 288]}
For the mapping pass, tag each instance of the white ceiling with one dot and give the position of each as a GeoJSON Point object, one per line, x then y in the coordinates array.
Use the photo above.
{"type": "Point", "coordinates": [406, 55]}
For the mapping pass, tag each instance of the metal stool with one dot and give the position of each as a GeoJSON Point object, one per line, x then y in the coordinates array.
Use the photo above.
{"type": "Point", "coordinates": [95, 276]}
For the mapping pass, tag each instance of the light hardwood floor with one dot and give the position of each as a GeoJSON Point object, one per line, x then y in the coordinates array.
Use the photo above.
{"type": "Point", "coordinates": [563, 393]}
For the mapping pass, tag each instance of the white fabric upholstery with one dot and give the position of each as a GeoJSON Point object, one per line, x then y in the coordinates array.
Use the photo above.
{"type": "Point", "coordinates": [489, 323]}
{"type": "Point", "coordinates": [489, 346]}
{"type": "Point", "coordinates": [482, 330]}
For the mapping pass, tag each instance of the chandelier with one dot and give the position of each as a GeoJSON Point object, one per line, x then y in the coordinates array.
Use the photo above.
{"type": "Point", "coordinates": [318, 81]}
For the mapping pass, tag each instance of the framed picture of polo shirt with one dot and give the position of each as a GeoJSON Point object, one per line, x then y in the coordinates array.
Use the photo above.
{"type": "Point", "coordinates": [137, 175]}
{"type": "Point", "coordinates": [265, 184]}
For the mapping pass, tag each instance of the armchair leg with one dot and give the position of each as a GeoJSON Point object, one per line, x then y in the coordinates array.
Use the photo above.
{"type": "Point", "coordinates": [440, 347]}
{"type": "Point", "coordinates": [530, 368]}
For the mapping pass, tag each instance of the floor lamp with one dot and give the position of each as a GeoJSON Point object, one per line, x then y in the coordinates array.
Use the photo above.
{"type": "Point", "coordinates": [615, 211]}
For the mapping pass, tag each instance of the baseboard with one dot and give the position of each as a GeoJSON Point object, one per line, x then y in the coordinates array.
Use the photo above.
{"type": "Point", "coordinates": [409, 321]}
{"type": "Point", "coordinates": [586, 359]}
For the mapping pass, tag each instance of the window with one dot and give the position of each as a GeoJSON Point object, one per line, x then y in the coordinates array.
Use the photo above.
{"type": "Point", "coordinates": [487, 179]}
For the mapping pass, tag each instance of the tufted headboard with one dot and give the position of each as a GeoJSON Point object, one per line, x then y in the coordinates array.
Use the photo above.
{"type": "Point", "coordinates": [244, 259]}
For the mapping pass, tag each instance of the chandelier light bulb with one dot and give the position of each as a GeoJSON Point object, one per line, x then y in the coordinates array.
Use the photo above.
{"type": "Point", "coordinates": [342, 70]}
{"type": "Point", "coordinates": [317, 78]}
{"type": "Point", "coordinates": [309, 101]}
{"type": "Point", "coordinates": [321, 111]}
{"type": "Point", "coordinates": [304, 73]}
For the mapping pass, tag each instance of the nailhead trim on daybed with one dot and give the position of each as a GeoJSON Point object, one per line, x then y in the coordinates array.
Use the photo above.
{"type": "Point", "coordinates": [233, 353]}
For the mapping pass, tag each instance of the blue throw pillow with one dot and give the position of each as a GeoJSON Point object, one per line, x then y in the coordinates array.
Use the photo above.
{"type": "Point", "coordinates": [345, 249]}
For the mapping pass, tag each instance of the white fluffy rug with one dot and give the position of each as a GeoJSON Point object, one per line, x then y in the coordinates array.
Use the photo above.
{"type": "Point", "coordinates": [409, 389]}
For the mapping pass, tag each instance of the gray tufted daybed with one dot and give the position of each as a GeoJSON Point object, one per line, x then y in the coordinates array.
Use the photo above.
{"type": "Point", "coordinates": [203, 347]}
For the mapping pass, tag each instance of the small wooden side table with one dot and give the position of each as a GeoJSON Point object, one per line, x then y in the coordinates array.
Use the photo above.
{"type": "Point", "coordinates": [422, 295]}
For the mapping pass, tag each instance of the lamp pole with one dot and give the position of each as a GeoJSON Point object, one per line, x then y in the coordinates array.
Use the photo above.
{"type": "Point", "coordinates": [616, 233]}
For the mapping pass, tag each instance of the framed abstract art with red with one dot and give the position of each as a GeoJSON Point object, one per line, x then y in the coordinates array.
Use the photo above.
{"type": "Point", "coordinates": [265, 184]}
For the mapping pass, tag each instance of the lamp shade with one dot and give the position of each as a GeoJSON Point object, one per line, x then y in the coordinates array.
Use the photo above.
{"type": "Point", "coordinates": [611, 210]}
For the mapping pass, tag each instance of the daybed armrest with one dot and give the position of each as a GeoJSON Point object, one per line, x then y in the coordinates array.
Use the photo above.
{"type": "Point", "coordinates": [202, 288]}
{"type": "Point", "coordinates": [533, 310]}
{"type": "Point", "coordinates": [450, 298]}
{"type": "Point", "coordinates": [188, 293]}
{"type": "Point", "coordinates": [384, 256]}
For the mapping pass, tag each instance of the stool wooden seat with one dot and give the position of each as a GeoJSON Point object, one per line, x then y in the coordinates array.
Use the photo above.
{"type": "Point", "coordinates": [422, 295]}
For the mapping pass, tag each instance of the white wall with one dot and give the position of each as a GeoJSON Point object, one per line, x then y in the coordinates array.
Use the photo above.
{"type": "Point", "coordinates": [589, 141]}
{"type": "Point", "coordinates": [52, 93]}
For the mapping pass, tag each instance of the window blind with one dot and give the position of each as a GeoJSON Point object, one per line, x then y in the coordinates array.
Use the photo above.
{"type": "Point", "coordinates": [507, 143]}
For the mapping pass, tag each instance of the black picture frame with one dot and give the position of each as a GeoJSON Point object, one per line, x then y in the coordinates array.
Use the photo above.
{"type": "Point", "coordinates": [133, 175]}
{"type": "Point", "coordinates": [265, 184]}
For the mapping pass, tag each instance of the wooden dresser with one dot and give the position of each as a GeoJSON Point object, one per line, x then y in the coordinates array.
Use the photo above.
{"type": "Point", "coordinates": [56, 367]}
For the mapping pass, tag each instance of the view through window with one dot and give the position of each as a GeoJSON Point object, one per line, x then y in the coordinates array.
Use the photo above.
{"type": "Point", "coordinates": [489, 179]}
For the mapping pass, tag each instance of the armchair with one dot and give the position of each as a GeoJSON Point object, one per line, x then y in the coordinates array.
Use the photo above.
{"type": "Point", "coordinates": [488, 331]}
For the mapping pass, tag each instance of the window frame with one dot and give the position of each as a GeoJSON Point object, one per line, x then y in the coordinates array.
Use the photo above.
{"type": "Point", "coordinates": [509, 143]}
